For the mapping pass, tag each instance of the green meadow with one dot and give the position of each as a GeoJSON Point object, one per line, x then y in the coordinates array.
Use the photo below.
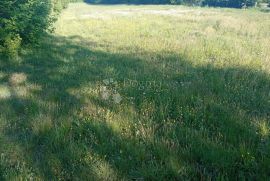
{"type": "Point", "coordinates": [146, 92]}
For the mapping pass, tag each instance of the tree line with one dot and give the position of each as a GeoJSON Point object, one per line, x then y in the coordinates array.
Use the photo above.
{"type": "Point", "coordinates": [24, 22]}
{"type": "Point", "coordinates": [213, 3]}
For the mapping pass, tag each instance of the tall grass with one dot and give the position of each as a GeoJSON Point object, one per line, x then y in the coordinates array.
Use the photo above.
{"type": "Point", "coordinates": [140, 92]}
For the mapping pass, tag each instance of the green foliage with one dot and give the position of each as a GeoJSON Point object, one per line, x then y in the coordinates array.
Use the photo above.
{"type": "Point", "coordinates": [58, 5]}
{"type": "Point", "coordinates": [11, 44]}
{"type": "Point", "coordinates": [23, 21]}
{"type": "Point", "coordinates": [135, 1]}
{"type": "Point", "coordinates": [230, 3]}
{"type": "Point", "coordinates": [192, 2]}
{"type": "Point", "coordinates": [220, 3]}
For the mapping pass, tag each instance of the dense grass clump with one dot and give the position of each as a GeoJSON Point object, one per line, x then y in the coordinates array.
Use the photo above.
{"type": "Point", "coordinates": [140, 92]}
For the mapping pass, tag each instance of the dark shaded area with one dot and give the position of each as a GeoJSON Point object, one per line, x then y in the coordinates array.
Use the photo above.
{"type": "Point", "coordinates": [229, 3]}
{"type": "Point", "coordinates": [129, 2]}
{"type": "Point", "coordinates": [205, 128]}
{"type": "Point", "coordinates": [212, 3]}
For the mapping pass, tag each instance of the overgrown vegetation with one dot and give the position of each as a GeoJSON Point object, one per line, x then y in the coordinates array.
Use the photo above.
{"type": "Point", "coordinates": [194, 84]}
{"type": "Point", "coordinates": [22, 22]}
{"type": "Point", "coordinates": [25, 22]}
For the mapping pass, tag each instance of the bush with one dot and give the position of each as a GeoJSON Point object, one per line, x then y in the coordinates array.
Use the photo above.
{"type": "Point", "coordinates": [23, 22]}
{"type": "Point", "coordinates": [12, 44]}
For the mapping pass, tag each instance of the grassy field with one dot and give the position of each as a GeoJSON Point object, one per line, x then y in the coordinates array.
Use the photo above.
{"type": "Point", "coordinates": [140, 92]}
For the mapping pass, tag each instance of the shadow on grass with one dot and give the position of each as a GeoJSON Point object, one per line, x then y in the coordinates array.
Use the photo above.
{"type": "Point", "coordinates": [176, 120]}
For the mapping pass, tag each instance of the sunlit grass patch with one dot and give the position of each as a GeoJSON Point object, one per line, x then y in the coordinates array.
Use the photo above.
{"type": "Point", "coordinates": [17, 78]}
{"type": "Point", "coordinates": [4, 92]}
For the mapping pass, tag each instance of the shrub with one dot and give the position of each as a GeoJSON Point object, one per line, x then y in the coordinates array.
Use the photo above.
{"type": "Point", "coordinates": [12, 44]}
{"type": "Point", "coordinates": [23, 21]}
